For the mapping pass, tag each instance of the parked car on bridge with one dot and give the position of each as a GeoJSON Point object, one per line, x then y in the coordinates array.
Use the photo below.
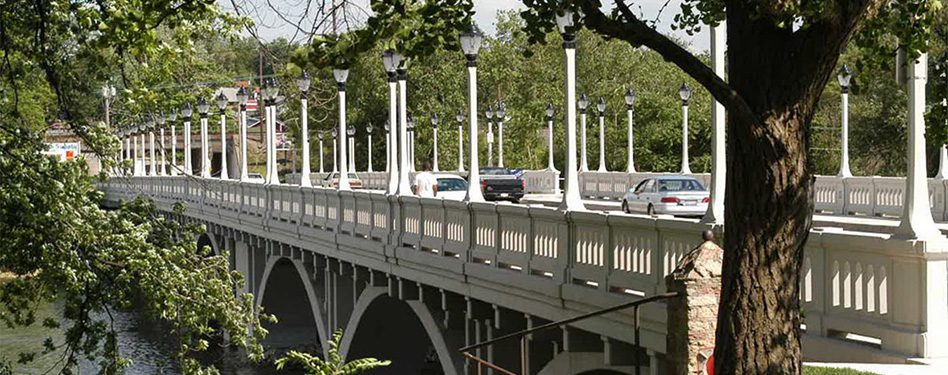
{"type": "Point", "coordinates": [451, 187]}
{"type": "Point", "coordinates": [332, 180]}
{"type": "Point", "coordinates": [673, 195]}
{"type": "Point", "coordinates": [502, 184]}
{"type": "Point", "coordinates": [255, 178]}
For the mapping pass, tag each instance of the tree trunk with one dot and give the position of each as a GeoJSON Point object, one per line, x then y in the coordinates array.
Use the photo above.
{"type": "Point", "coordinates": [768, 202]}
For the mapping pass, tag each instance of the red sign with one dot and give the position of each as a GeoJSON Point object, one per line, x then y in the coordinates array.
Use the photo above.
{"type": "Point", "coordinates": [251, 105]}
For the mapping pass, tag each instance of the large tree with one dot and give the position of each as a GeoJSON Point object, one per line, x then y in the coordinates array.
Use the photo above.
{"type": "Point", "coordinates": [781, 54]}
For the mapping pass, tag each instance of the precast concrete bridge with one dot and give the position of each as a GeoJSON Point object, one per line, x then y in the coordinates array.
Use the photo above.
{"type": "Point", "coordinates": [413, 279]}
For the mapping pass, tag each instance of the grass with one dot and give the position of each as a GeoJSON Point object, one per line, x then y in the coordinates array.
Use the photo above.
{"type": "Point", "coordinates": [809, 370]}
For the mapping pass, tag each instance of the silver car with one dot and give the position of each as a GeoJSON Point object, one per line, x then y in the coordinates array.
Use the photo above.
{"type": "Point", "coordinates": [672, 195]}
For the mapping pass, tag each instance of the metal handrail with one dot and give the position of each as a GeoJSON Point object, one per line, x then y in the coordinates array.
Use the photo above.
{"type": "Point", "coordinates": [524, 356]}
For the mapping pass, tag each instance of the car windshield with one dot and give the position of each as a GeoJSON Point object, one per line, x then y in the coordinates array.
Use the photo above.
{"type": "Point", "coordinates": [495, 171]}
{"type": "Point", "coordinates": [254, 175]}
{"type": "Point", "coordinates": [680, 185]}
{"type": "Point", "coordinates": [451, 184]}
{"type": "Point", "coordinates": [335, 175]}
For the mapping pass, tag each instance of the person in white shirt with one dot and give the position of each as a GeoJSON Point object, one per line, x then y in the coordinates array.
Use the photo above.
{"type": "Point", "coordinates": [425, 185]}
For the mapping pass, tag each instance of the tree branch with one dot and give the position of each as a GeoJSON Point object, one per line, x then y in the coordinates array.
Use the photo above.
{"type": "Point", "coordinates": [638, 33]}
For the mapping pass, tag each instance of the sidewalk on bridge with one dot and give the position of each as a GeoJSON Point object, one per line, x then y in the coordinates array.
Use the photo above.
{"type": "Point", "coordinates": [930, 367]}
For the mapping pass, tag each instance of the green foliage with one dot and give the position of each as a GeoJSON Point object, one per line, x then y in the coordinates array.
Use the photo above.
{"type": "Point", "coordinates": [334, 365]}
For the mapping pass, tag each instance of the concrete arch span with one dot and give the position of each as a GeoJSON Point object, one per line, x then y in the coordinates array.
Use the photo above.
{"type": "Point", "coordinates": [585, 363]}
{"type": "Point", "coordinates": [209, 240]}
{"type": "Point", "coordinates": [405, 332]}
{"type": "Point", "coordinates": [287, 292]}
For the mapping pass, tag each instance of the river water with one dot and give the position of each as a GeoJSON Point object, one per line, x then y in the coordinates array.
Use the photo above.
{"type": "Point", "coordinates": [139, 341]}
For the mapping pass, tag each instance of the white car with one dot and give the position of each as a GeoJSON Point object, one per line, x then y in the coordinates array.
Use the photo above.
{"type": "Point", "coordinates": [255, 178]}
{"type": "Point", "coordinates": [673, 195]}
{"type": "Point", "coordinates": [451, 187]}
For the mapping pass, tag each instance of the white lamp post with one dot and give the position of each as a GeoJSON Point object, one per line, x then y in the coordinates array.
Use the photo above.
{"type": "Point", "coordinates": [319, 136]}
{"type": "Point", "coordinates": [549, 137]}
{"type": "Point", "coordinates": [501, 117]}
{"type": "Point", "coordinates": [350, 133]}
{"type": "Point", "coordinates": [411, 144]}
{"type": "Point", "coordinates": [460, 118]}
{"type": "Point", "coordinates": [203, 106]}
{"type": "Point", "coordinates": [583, 105]}
{"type": "Point", "coordinates": [186, 112]}
{"type": "Point", "coordinates": [271, 93]}
{"type": "Point", "coordinates": [222, 105]}
{"type": "Point", "coordinates": [172, 117]}
{"type": "Point", "coordinates": [368, 150]}
{"type": "Point", "coordinates": [630, 111]}
{"type": "Point", "coordinates": [571, 198]}
{"type": "Point", "coordinates": [341, 74]}
{"type": "Point", "coordinates": [404, 184]}
{"type": "Point", "coordinates": [242, 97]}
{"type": "Point", "coordinates": [335, 150]}
{"type": "Point", "coordinates": [160, 119]}
{"type": "Point", "coordinates": [844, 76]}
{"type": "Point", "coordinates": [303, 83]}
{"type": "Point", "coordinates": [715, 213]}
{"type": "Point", "coordinates": [685, 94]}
{"type": "Point", "coordinates": [152, 155]}
{"type": "Point", "coordinates": [471, 44]}
{"type": "Point", "coordinates": [391, 60]}
{"type": "Point", "coordinates": [434, 133]}
{"type": "Point", "coordinates": [490, 135]}
{"type": "Point", "coordinates": [601, 106]}
{"type": "Point", "coordinates": [941, 69]}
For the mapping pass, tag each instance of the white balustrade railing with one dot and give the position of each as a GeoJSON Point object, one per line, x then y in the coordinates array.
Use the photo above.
{"type": "Point", "coordinates": [873, 196]}
{"type": "Point", "coordinates": [852, 282]}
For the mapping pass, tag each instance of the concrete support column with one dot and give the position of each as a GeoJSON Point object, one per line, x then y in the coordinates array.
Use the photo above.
{"type": "Point", "coordinates": [917, 222]}
{"type": "Point", "coordinates": [304, 123]}
{"type": "Point", "coordinates": [692, 315]}
{"type": "Point", "coordinates": [571, 198]}
{"type": "Point", "coordinates": [715, 213]}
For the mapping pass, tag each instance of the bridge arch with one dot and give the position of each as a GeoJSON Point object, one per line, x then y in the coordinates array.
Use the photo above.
{"type": "Point", "coordinates": [584, 363]}
{"type": "Point", "coordinates": [207, 239]}
{"type": "Point", "coordinates": [287, 281]}
{"type": "Point", "coordinates": [404, 332]}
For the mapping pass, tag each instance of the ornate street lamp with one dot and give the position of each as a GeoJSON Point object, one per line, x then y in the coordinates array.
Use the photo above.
{"type": "Point", "coordinates": [202, 107]}
{"type": "Point", "coordinates": [242, 97]}
{"type": "Point", "coordinates": [335, 150]}
{"type": "Point", "coordinates": [303, 83]}
{"type": "Point", "coordinates": [434, 132]}
{"type": "Point", "coordinates": [549, 137]}
{"type": "Point", "coordinates": [685, 93]}
{"type": "Point", "coordinates": [222, 105]}
{"type": "Point", "coordinates": [471, 44]}
{"type": "Point", "coordinates": [571, 197]}
{"type": "Point", "coordinates": [601, 106]}
{"type": "Point", "coordinates": [583, 105]}
{"type": "Point", "coordinates": [368, 150]}
{"type": "Point", "coordinates": [162, 165]}
{"type": "Point", "coordinates": [844, 76]}
{"type": "Point", "coordinates": [172, 117]}
{"type": "Point", "coordinates": [490, 135]}
{"type": "Point", "coordinates": [501, 114]}
{"type": "Point", "coordinates": [186, 112]}
{"type": "Point", "coordinates": [630, 111]}
{"type": "Point", "coordinates": [319, 136]}
{"type": "Point", "coordinates": [391, 60]}
{"type": "Point", "coordinates": [411, 143]}
{"type": "Point", "coordinates": [341, 75]}
{"type": "Point", "coordinates": [350, 134]}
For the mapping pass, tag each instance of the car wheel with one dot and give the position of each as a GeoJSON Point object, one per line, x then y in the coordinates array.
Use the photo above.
{"type": "Point", "coordinates": [651, 210]}
{"type": "Point", "coordinates": [625, 207]}
{"type": "Point", "coordinates": [515, 201]}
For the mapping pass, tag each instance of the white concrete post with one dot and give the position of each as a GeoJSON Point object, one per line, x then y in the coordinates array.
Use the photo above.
{"type": "Point", "coordinates": [411, 151]}
{"type": "Point", "coordinates": [500, 143]}
{"type": "Point", "coordinates": [404, 185]}
{"type": "Point", "coordinates": [435, 145]}
{"type": "Point", "coordinates": [583, 163]}
{"type": "Point", "coordinates": [162, 167]}
{"type": "Point", "coordinates": [942, 163]}
{"type": "Point", "coordinates": [304, 122]}
{"type": "Point", "coordinates": [602, 142]}
{"type": "Point", "coordinates": [224, 175]}
{"type": "Point", "coordinates": [152, 160]}
{"type": "Point", "coordinates": [352, 153]}
{"type": "Point", "coordinates": [188, 165]}
{"type": "Point", "coordinates": [549, 142]}
{"type": "Point", "coordinates": [474, 193]}
{"type": "Point", "coordinates": [174, 152]}
{"type": "Point", "coordinates": [460, 148]}
{"type": "Point", "coordinates": [685, 168]}
{"type": "Point", "coordinates": [571, 198]}
{"type": "Point", "coordinates": [205, 149]}
{"type": "Point", "coordinates": [917, 222]}
{"type": "Point", "coordinates": [368, 153]}
{"type": "Point", "coordinates": [844, 135]}
{"type": "Point", "coordinates": [715, 213]}
{"type": "Point", "coordinates": [244, 173]}
{"type": "Point", "coordinates": [343, 167]}
{"type": "Point", "coordinates": [630, 163]}
{"type": "Point", "coordinates": [321, 169]}
{"type": "Point", "coordinates": [134, 154]}
{"type": "Point", "coordinates": [273, 174]}
{"type": "Point", "coordinates": [490, 143]}
{"type": "Point", "coordinates": [391, 143]}
{"type": "Point", "coordinates": [335, 154]}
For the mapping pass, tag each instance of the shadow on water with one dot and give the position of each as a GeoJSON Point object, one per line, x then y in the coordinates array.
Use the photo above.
{"type": "Point", "coordinates": [145, 343]}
